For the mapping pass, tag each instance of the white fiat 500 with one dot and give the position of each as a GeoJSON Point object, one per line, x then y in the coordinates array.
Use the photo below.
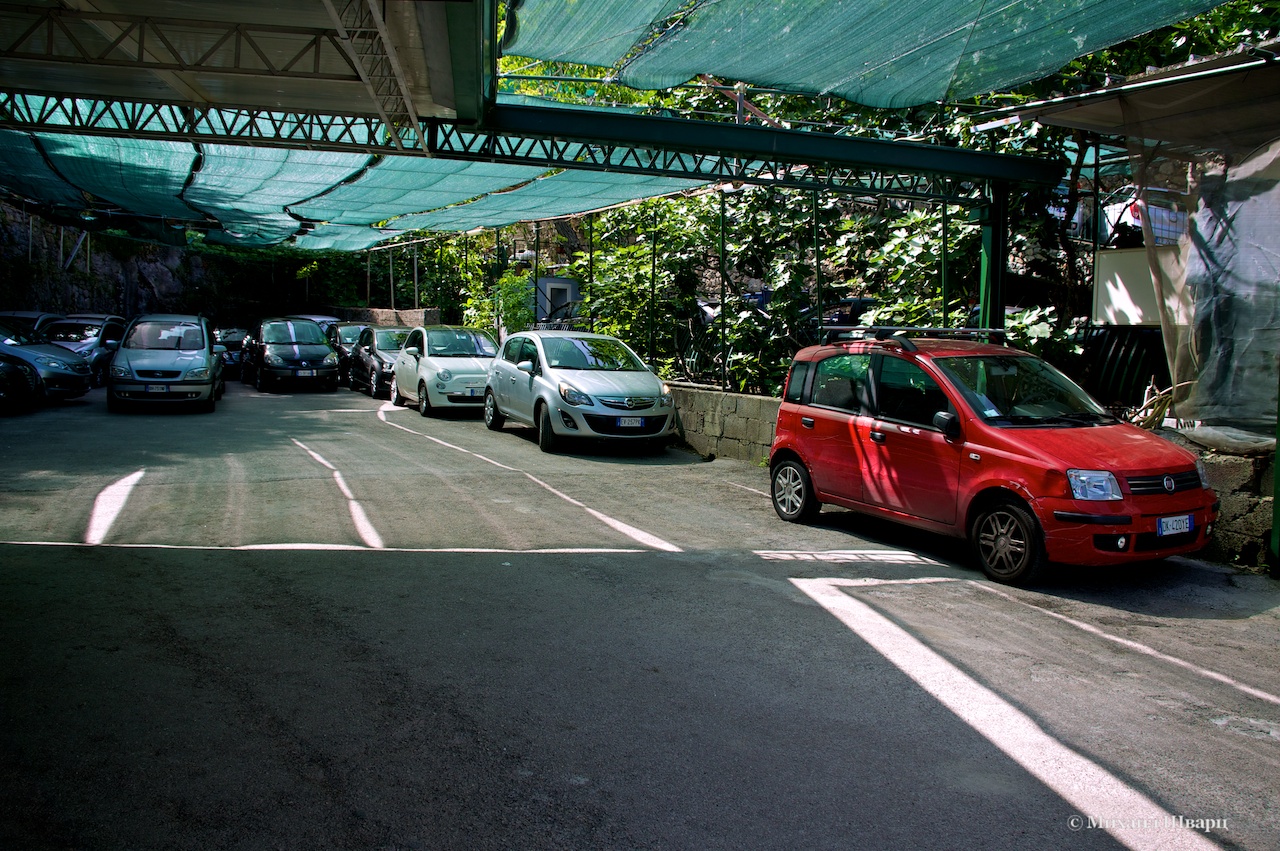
{"type": "Point", "coordinates": [573, 384]}
{"type": "Point", "coordinates": [442, 366]}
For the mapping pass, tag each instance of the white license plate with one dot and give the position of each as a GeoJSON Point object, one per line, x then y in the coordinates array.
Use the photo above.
{"type": "Point", "coordinates": [157, 388]}
{"type": "Point", "coordinates": [630, 422]}
{"type": "Point", "coordinates": [1174, 525]}
{"type": "Point", "coordinates": [305, 373]}
{"type": "Point", "coordinates": [475, 391]}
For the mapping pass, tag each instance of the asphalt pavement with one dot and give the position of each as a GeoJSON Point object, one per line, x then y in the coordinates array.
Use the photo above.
{"type": "Point", "coordinates": [314, 620]}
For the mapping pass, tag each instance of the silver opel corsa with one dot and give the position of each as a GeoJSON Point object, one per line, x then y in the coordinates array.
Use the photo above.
{"type": "Point", "coordinates": [573, 384]}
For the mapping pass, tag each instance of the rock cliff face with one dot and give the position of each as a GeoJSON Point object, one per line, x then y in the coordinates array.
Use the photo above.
{"type": "Point", "coordinates": [46, 266]}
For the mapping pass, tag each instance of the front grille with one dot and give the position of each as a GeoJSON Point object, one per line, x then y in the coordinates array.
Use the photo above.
{"type": "Point", "coordinates": [1146, 485]}
{"type": "Point", "coordinates": [159, 373]}
{"type": "Point", "coordinates": [1150, 542]}
{"type": "Point", "coordinates": [609, 425]}
{"type": "Point", "coordinates": [628, 403]}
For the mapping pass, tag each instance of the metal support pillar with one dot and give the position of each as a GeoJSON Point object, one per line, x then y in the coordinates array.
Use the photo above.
{"type": "Point", "coordinates": [653, 286]}
{"type": "Point", "coordinates": [817, 262]}
{"type": "Point", "coordinates": [943, 283]}
{"type": "Point", "coordinates": [724, 358]}
{"type": "Point", "coordinates": [995, 251]}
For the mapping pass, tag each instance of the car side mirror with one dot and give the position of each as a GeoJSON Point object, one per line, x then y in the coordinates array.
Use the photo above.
{"type": "Point", "coordinates": [412, 351]}
{"type": "Point", "coordinates": [113, 345]}
{"type": "Point", "coordinates": [947, 423]}
{"type": "Point", "coordinates": [525, 366]}
{"type": "Point", "coordinates": [219, 349]}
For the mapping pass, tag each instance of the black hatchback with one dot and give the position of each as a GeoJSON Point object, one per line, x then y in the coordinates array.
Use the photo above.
{"type": "Point", "coordinates": [289, 350]}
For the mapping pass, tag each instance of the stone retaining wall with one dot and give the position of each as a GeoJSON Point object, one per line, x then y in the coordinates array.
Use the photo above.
{"type": "Point", "coordinates": [734, 425]}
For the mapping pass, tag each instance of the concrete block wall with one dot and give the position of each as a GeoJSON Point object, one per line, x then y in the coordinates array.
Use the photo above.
{"type": "Point", "coordinates": [726, 425]}
{"type": "Point", "coordinates": [735, 425]}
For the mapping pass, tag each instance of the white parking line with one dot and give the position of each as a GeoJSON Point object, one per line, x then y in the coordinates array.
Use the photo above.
{"type": "Point", "coordinates": [352, 547]}
{"type": "Point", "coordinates": [638, 535]}
{"type": "Point", "coordinates": [107, 507]}
{"type": "Point", "coordinates": [364, 528]}
{"type": "Point", "coordinates": [1097, 795]}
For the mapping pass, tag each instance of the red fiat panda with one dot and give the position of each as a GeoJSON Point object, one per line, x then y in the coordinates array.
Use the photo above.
{"type": "Point", "coordinates": [984, 442]}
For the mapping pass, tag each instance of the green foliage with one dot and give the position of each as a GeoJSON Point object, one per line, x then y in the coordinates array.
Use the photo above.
{"type": "Point", "coordinates": [507, 305]}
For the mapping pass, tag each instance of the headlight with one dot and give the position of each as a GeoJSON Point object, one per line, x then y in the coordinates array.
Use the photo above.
{"type": "Point", "coordinates": [573, 396]}
{"type": "Point", "coordinates": [1204, 474]}
{"type": "Point", "coordinates": [273, 359]}
{"type": "Point", "coordinates": [1093, 485]}
{"type": "Point", "coordinates": [120, 372]}
{"type": "Point", "coordinates": [53, 363]}
{"type": "Point", "coordinates": [666, 400]}
{"type": "Point", "coordinates": [444, 375]}
{"type": "Point", "coordinates": [200, 374]}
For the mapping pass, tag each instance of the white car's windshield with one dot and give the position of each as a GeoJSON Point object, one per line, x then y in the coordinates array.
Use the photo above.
{"type": "Point", "coordinates": [602, 353]}
{"type": "Point", "coordinates": [1021, 390]}
{"type": "Point", "coordinates": [460, 343]}
{"type": "Point", "coordinates": [164, 335]}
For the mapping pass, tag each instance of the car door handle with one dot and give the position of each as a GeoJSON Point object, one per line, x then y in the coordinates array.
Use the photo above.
{"type": "Point", "coordinates": [807, 422]}
{"type": "Point", "coordinates": [877, 437]}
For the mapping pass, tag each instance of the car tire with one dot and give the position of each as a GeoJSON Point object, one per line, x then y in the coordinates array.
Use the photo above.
{"type": "Point", "coordinates": [114, 405]}
{"type": "Point", "coordinates": [546, 437]}
{"type": "Point", "coordinates": [373, 382]}
{"type": "Point", "coordinates": [260, 381]}
{"type": "Point", "coordinates": [493, 416]}
{"type": "Point", "coordinates": [397, 398]}
{"type": "Point", "coordinates": [791, 492]}
{"type": "Point", "coordinates": [1008, 543]}
{"type": "Point", "coordinates": [424, 401]}
{"type": "Point", "coordinates": [208, 406]}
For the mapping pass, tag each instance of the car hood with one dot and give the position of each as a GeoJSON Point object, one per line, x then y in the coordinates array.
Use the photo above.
{"type": "Point", "coordinates": [608, 383]}
{"type": "Point", "coordinates": [53, 350]}
{"type": "Point", "coordinates": [1120, 448]}
{"type": "Point", "coordinates": [461, 366]}
{"type": "Point", "coordinates": [81, 347]}
{"type": "Point", "coordinates": [163, 358]}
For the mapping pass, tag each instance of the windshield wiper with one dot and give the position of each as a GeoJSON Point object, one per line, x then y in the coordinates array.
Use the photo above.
{"type": "Point", "coordinates": [1080, 418]}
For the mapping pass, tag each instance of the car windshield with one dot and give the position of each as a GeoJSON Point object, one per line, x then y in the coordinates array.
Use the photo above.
{"type": "Point", "coordinates": [460, 343]}
{"type": "Point", "coordinates": [72, 332]}
{"type": "Point", "coordinates": [350, 333]}
{"type": "Point", "coordinates": [186, 336]}
{"type": "Point", "coordinates": [290, 331]}
{"type": "Point", "coordinates": [1021, 390]}
{"type": "Point", "coordinates": [600, 353]}
{"type": "Point", "coordinates": [14, 337]}
{"type": "Point", "coordinates": [391, 340]}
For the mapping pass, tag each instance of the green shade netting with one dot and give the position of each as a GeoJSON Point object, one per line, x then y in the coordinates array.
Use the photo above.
{"type": "Point", "coordinates": [398, 185]}
{"type": "Point", "coordinates": [563, 194]}
{"type": "Point", "coordinates": [343, 238]}
{"type": "Point", "coordinates": [141, 175]}
{"type": "Point", "coordinates": [24, 171]}
{"type": "Point", "coordinates": [247, 189]}
{"type": "Point", "coordinates": [881, 53]}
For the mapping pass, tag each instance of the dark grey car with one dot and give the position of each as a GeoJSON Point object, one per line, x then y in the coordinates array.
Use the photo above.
{"type": "Point", "coordinates": [63, 374]}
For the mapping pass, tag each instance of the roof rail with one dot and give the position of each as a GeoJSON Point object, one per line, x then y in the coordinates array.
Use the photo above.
{"type": "Point", "coordinates": [898, 334]}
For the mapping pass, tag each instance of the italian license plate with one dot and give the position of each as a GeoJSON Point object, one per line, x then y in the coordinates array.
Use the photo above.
{"type": "Point", "coordinates": [1174, 525]}
{"type": "Point", "coordinates": [157, 388]}
{"type": "Point", "coordinates": [305, 373]}
{"type": "Point", "coordinates": [475, 391]}
{"type": "Point", "coordinates": [630, 422]}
